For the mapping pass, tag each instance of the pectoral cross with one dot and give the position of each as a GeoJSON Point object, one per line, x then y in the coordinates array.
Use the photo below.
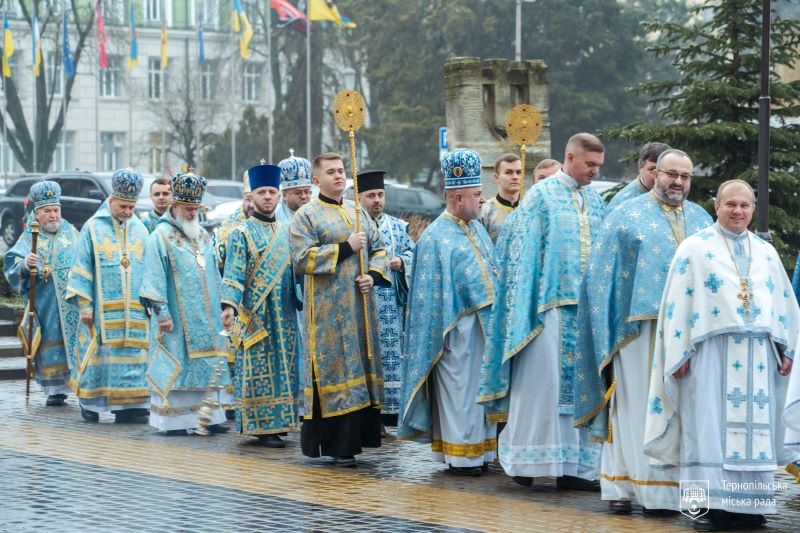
{"type": "Point", "coordinates": [745, 295]}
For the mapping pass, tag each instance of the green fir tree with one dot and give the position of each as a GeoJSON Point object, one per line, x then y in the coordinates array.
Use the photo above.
{"type": "Point", "coordinates": [710, 110]}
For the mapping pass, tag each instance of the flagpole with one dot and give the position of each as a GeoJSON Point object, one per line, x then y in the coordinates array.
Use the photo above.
{"type": "Point", "coordinates": [5, 105]}
{"type": "Point", "coordinates": [163, 94]}
{"type": "Point", "coordinates": [198, 88]}
{"type": "Point", "coordinates": [234, 177]}
{"type": "Point", "coordinates": [518, 45]}
{"type": "Point", "coordinates": [34, 129]}
{"type": "Point", "coordinates": [98, 155]}
{"type": "Point", "coordinates": [63, 96]}
{"type": "Point", "coordinates": [269, 83]}
{"type": "Point", "coordinates": [308, 80]}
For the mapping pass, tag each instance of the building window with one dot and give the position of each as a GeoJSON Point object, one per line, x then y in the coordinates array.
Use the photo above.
{"type": "Point", "coordinates": [152, 10]}
{"type": "Point", "coordinates": [251, 86]}
{"type": "Point", "coordinates": [211, 16]}
{"type": "Point", "coordinates": [54, 65]}
{"type": "Point", "coordinates": [113, 11]}
{"type": "Point", "coordinates": [156, 83]}
{"type": "Point", "coordinates": [111, 78]}
{"type": "Point", "coordinates": [8, 161]}
{"type": "Point", "coordinates": [208, 80]}
{"type": "Point", "coordinates": [111, 145]}
{"type": "Point", "coordinates": [62, 157]}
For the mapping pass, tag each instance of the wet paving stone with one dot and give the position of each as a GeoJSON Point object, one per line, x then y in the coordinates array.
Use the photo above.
{"type": "Point", "coordinates": [60, 473]}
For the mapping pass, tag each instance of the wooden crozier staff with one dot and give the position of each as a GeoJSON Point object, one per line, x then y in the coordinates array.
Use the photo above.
{"type": "Point", "coordinates": [31, 312]}
{"type": "Point", "coordinates": [523, 126]}
{"type": "Point", "coordinates": [349, 114]}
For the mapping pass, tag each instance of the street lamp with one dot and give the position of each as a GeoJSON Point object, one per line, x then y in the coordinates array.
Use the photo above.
{"type": "Point", "coordinates": [349, 78]}
{"type": "Point", "coordinates": [763, 127]}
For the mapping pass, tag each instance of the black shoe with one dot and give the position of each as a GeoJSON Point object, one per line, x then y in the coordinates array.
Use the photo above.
{"type": "Point", "coordinates": [465, 471]}
{"type": "Point", "coordinates": [345, 462]}
{"type": "Point", "coordinates": [271, 441]}
{"type": "Point", "coordinates": [230, 414]}
{"type": "Point", "coordinates": [523, 480]}
{"type": "Point", "coordinates": [620, 506]}
{"type": "Point", "coordinates": [56, 400]}
{"type": "Point", "coordinates": [217, 429]}
{"type": "Point", "coordinates": [89, 416]}
{"type": "Point", "coordinates": [658, 513]}
{"type": "Point", "coordinates": [131, 416]}
{"type": "Point", "coordinates": [576, 483]}
{"type": "Point", "coordinates": [714, 520]}
{"type": "Point", "coordinates": [177, 433]}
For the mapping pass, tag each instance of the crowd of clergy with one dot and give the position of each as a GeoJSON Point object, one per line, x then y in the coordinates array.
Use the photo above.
{"type": "Point", "coordinates": [623, 348]}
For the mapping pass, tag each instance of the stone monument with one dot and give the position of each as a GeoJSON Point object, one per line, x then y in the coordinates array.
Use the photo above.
{"type": "Point", "coordinates": [479, 95]}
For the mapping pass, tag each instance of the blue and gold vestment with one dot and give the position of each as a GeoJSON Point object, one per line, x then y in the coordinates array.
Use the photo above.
{"type": "Point", "coordinates": [111, 355]}
{"type": "Point", "coordinates": [629, 191]}
{"type": "Point", "coordinates": [622, 287]}
{"type": "Point", "coordinates": [150, 220]}
{"type": "Point", "coordinates": [182, 283]}
{"type": "Point", "coordinates": [453, 276]}
{"type": "Point", "coordinates": [346, 378]}
{"type": "Point", "coordinates": [57, 318]}
{"type": "Point", "coordinates": [542, 251]}
{"type": "Point", "coordinates": [494, 215]}
{"type": "Point", "coordinates": [391, 305]}
{"type": "Point", "coordinates": [259, 285]}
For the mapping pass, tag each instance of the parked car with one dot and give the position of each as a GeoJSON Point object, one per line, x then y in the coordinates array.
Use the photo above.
{"type": "Point", "coordinates": [13, 208]}
{"type": "Point", "coordinates": [403, 201]}
{"type": "Point", "coordinates": [81, 194]}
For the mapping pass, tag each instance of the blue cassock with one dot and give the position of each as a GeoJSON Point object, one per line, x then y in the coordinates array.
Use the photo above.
{"type": "Point", "coordinates": [182, 283]}
{"type": "Point", "coordinates": [542, 249]}
{"type": "Point", "coordinates": [57, 318]}
{"type": "Point", "coordinates": [259, 285]}
{"type": "Point", "coordinates": [622, 287]}
{"type": "Point", "coordinates": [631, 190]}
{"type": "Point", "coordinates": [453, 275]}
{"type": "Point", "coordinates": [111, 356]}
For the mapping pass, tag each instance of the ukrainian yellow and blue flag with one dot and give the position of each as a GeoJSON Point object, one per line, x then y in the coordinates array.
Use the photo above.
{"type": "Point", "coordinates": [8, 47]}
{"type": "Point", "coordinates": [242, 24]}
{"type": "Point", "coordinates": [36, 59]}
{"type": "Point", "coordinates": [327, 10]}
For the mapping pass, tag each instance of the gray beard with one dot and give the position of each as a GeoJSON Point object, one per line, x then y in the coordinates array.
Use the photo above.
{"type": "Point", "coordinates": [52, 229]}
{"type": "Point", "coordinates": [190, 228]}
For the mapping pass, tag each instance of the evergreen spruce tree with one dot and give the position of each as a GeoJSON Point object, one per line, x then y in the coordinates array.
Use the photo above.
{"type": "Point", "coordinates": [711, 110]}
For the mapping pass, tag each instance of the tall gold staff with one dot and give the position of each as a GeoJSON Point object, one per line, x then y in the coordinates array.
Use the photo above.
{"type": "Point", "coordinates": [523, 126]}
{"type": "Point", "coordinates": [31, 312]}
{"type": "Point", "coordinates": [349, 114]}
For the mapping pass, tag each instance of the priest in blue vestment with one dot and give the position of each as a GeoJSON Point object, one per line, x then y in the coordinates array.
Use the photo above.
{"type": "Point", "coordinates": [343, 390]}
{"type": "Point", "coordinates": [644, 181]}
{"type": "Point", "coordinates": [295, 193]}
{"type": "Point", "coordinates": [181, 288]}
{"type": "Point", "coordinates": [728, 329]}
{"type": "Point", "coordinates": [56, 319]}
{"type": "Point", "coordinates": [161, 196]}
{"type": "Point", "coordinates": [390, 301]}
{"type": "Point", "coordinates": [112, 347]}
{"type": "Point", "coordinates": [452, 290]}
{"type": "Point", "coordinates": [508, 174]}
{"type": "Point", "coordinates": [258, 287]}
{"type": "Point", "coordinates": [295, 187]}
{"type": "Point", "coordinates": [620, 298]}
{"type": "Point", "coordinates": [528, 367]}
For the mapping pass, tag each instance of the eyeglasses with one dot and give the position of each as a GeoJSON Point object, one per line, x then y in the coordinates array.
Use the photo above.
{"type": "Point", "coordinates": [671, 174]}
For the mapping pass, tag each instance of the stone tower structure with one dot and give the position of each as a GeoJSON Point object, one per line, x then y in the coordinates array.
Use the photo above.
{"type": "Point", "coordinates": [479, 95]}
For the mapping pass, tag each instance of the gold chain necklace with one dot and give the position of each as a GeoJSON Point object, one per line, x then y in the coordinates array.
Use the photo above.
{"type": "Point", "coordinates": [745, 294]}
